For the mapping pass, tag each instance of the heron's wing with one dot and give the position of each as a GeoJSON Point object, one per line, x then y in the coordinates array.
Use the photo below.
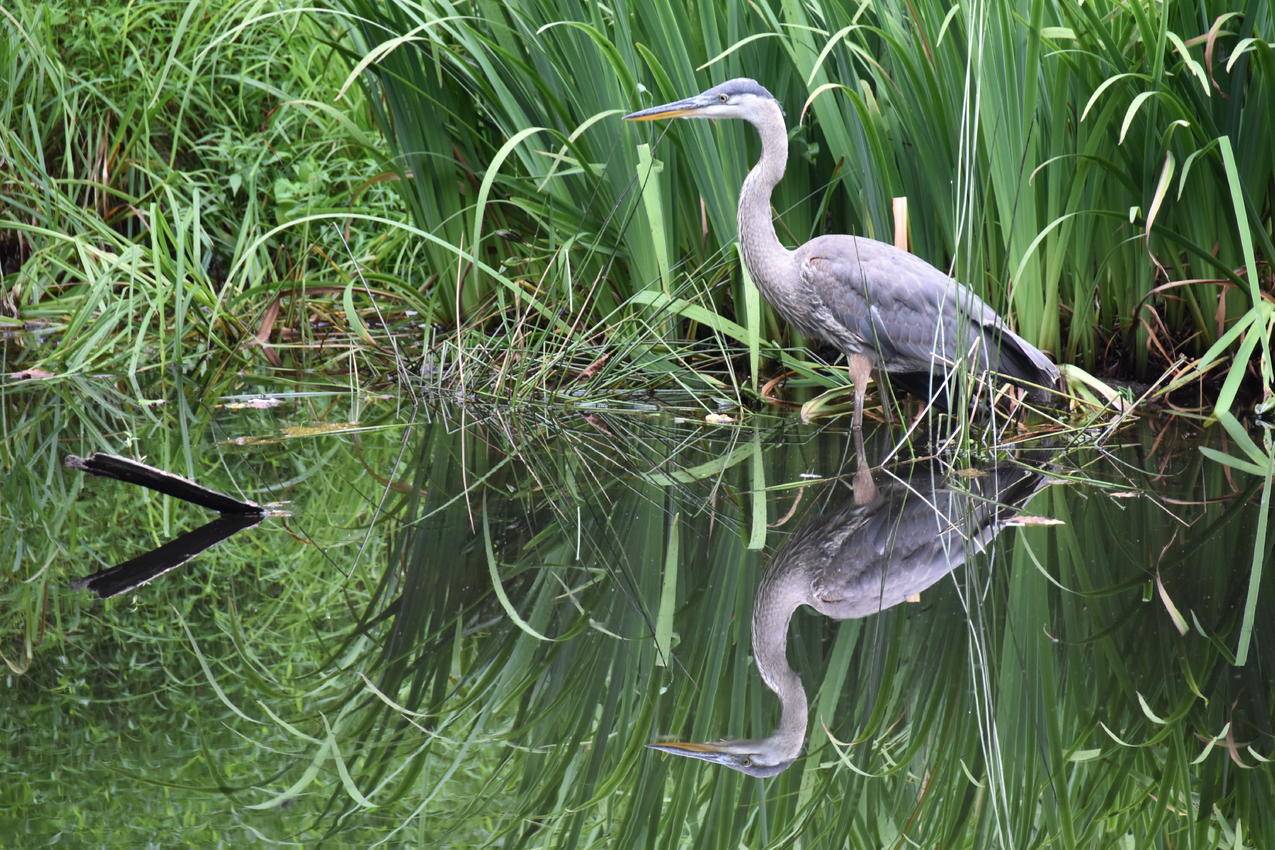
{"type": "Point", "coordinates": [1034, 365]}
{"type": "Point", "coordinates": [911, 313]}
{"type": "Point", "coordinates": [900, 305]}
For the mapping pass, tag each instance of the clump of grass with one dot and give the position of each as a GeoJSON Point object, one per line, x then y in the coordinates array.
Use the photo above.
{"type": "Point", "coordinates": [145, 150]}
{"type": "Point", "coordinates": [219, 199]}
{"type": "Point", "coordinates": [1097, 172]}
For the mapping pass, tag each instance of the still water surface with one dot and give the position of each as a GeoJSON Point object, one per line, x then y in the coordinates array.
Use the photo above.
{"type": "Point", "coordinates": [469, 631]}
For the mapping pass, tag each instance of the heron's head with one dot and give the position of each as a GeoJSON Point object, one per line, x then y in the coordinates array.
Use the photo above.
{"type": "Point", "coordinates": [761, 759]}
{"type": "Point", "coordinates": [740, 98]}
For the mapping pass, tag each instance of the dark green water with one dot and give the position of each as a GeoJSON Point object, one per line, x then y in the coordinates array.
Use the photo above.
{"type": "Point", "coordinates": [469, 629]}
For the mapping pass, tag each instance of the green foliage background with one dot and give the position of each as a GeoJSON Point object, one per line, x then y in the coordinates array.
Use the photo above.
{"type": "Point", "coordinates": [200, 187]}
{"type": "Point", "coordinates": [1069, 160]}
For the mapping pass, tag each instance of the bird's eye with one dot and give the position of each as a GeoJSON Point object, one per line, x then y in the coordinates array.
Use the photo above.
{"type": "Point", "coordinates": [723, 97]}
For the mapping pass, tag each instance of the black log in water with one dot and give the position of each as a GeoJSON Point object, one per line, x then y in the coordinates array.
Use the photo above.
{"type": "Point", "coordinates": [236, 515]}
{"type": "Point", "coordinates": [133, 472]}
{"type": "Point", "coordinates": [136, 572]}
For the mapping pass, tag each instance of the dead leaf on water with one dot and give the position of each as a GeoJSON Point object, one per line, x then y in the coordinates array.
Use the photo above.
{"type": "Point", "coordinates": [592, 369]}
{"type": "Point", "coordinates": [32, 375]}
{"type": "Point", "coordinates": [263, 403]}
{"type": "Point", "coordinates": [316, 430]}
{"type": "Point", "coordinates": [252, 441]}
{"type": "Point", "coordinates": [1028, 520]}
{"type": "Point", "coordinates": [295, 431]}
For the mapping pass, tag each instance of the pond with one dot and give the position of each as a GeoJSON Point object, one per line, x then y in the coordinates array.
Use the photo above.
{"type": "Point", "coordinates": [461, 627]}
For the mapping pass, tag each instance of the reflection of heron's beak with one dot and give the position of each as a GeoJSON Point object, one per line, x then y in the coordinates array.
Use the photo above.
{"type": "Point", "coordinates": [676, 109]}
{"type": "Point", "coordinates": [692, 749]}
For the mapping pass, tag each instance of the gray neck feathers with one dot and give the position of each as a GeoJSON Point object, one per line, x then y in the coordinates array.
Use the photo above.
{"type": "Point", "coordinates": [767, 260]}
{"type": "Point", "coordinates": [781, 593]}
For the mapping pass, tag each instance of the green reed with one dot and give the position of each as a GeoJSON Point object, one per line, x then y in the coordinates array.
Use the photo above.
{"type": "Point", "coordinates": [1101, 173]}
{"type": "Point", "coordinates": [146, 149]}
{"type": "Point", "coordinates": [221, 198]}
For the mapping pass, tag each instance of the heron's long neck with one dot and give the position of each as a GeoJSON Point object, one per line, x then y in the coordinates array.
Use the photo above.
{"type": "Point", "coordinates": [766, 258]}
{"type": "Point", "coordinates": [781, 593]}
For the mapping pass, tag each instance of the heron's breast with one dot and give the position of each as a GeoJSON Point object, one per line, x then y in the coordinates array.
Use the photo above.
{"type": "Point", "coordinates": [805, 312]}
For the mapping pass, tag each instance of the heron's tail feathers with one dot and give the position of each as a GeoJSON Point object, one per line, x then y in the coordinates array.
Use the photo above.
{"type": "Point", "coordinates": [1027, 365]}
{"type": "Point", "coordinates": [1007, 354]}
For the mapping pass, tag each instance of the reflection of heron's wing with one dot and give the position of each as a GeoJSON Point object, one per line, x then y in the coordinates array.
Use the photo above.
{"type": "Point", "coordinates": [852, 561]}
{"type": "Point", "coordinates": [859, 560]}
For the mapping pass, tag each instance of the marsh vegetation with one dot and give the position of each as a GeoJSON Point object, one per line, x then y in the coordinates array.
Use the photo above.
{"type": "Point", "coordinates": [400, 266]}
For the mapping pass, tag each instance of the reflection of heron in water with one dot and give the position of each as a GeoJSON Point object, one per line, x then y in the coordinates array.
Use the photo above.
{"type": "Point", "coordinates": [854, 560]}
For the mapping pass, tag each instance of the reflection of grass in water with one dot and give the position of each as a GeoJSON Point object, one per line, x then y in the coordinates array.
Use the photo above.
{"type": "Point", "coordinates": [496, 732]}
{"type": "Point", "coordinates": [571, 716]}
{"type": "Point", "coordinates": [116, 735]}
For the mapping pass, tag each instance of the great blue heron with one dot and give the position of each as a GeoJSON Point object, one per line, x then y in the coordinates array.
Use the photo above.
{"type": "Point", "coordinates": [856, 560]}
{"type": "Point", "coordinates": [885, 308]}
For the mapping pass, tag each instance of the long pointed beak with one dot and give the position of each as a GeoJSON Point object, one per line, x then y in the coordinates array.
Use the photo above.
{"type": "Point", "coordinates": [692, 749]}
{"type": "Point", "coordinates": [676, 109]}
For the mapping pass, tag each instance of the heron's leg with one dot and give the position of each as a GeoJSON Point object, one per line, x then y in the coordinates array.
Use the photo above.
{"type": "Point", "coordinates": [865, 489]}
{"type": "Point", "coordinates": [860, 368]}
{"type": "Point", "coordinates": [887, 406]}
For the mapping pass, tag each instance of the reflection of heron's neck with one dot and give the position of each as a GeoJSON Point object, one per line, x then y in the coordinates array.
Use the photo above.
{"type": "Point", "coordinates": [781, 593]}
{"type": "Point", "coordinates": [767, 260]}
